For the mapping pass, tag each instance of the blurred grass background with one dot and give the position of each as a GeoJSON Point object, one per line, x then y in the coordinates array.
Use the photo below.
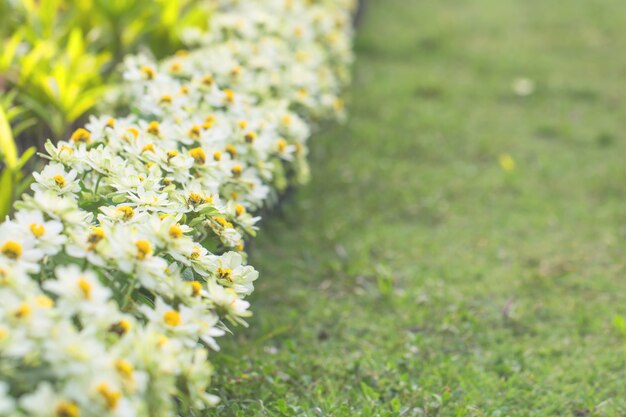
{"type": "Point", "coordinates": [460, 249]}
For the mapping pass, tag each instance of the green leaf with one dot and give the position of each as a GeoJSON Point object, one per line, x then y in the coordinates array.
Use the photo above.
{"type": "Point", "coordinates": [8, 51]}
{"type": "Point", "coordinates": [28, 153]}
{"type": "Point", "coordinates": [7, 143]}
{"type": "Point", "coordinates": [75, 45]}
{"type": "Point", "coordinates": [6, 192]}
{"type": "Point", "coordinates": [368, 391]}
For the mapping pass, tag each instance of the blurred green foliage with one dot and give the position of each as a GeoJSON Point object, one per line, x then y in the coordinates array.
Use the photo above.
{"type": "Point", "coordinates": [11, 177]}
{"type": "Point", "coordinates": [57, 60]}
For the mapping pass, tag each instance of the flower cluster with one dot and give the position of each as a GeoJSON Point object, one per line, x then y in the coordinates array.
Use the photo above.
{"type": "Point", "coordinates": [128, 259]}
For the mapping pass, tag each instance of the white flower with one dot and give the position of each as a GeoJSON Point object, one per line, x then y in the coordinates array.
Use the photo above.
{"type": "Point", "coordinates": [179, 321]}
{"type": "Point", "coordinates": [171, 235]}
{"type": "Point", "coordinates": [230, 272]}
{"type": "Point", "coordinates": [78, 291]}
{"type": "Point", "coordinates": [63, 152]}
{"type": "Point", "coordinates": [227, 303]}
{"type": "Point", "coordinates": [19, 248]}
{"type": "Point", "coordinates": [48, 234]}
{"type": "Point", "coordinates": [45, 402]}
{"type": "Point", "coordinates": [63, 208]}
{"type": "Point", "coordinates": [55, 178]}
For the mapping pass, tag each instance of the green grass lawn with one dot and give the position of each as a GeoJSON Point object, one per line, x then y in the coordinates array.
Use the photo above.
{"type": "Point", "coordinates": [414, 275]}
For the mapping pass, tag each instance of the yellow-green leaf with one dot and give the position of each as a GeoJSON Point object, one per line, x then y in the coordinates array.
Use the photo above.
{"type": "Point", "coordinates": [7, 144]}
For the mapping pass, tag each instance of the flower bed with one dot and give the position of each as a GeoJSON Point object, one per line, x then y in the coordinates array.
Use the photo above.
{"type": "Point", "coordinates": [128, 260]}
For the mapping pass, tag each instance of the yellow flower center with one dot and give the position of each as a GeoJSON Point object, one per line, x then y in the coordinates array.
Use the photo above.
{"type": "Point", "coordinates": [110, 396]}
{"type": "Point", "coordinates": [67, 409]}
{"type": "Point", "coordinates": [250, 137]}
{"type": "Point", "coordinates": [23, 311]}
{"type": "Point", "coordinates": [172, 318]}
{"type": "Point", "coordinates": [232, 151]}
{"type": "Point", "coordinates": [175, 67]}
{"type": "Point", "coordinates": [235, 71]}
{"type": "Point", "coordinates": [124, 368]}
{"type": "Point", "coordinates": [111, 123]}
{"type": "Point", "coordinates": [195, 253]}
{"type": "Point", "coordinates": [37, 229]}
{"type": "Point", "coordinates": [236, 170]}
{"type": "Point", "coordinates": [198, 155]}
{"type": "Point", "coordinates": [207, 80]}
{"type": "Point", "coordinates": [80, 135]}
{"type": "Point", "coordinates": [44, 301]}
{"type": "Point", "coordinates": [196, 288]}
{"type": "Point", "coordinates": [242, 124]}
{"type": "Point", "coordinates": [217, 155]}
{"type": "Point", "coordinates": [144, 249]}
{"type": "Point", "coordinates": [148, 148]}
{"type": "Point", "coordinates": [121, 327]}
{"type": "Point", "coordinates": [194, 132]}
{"type": "Point", "coordinates": [12, 249]}
{"type": "Point", "coordinates": [172, 154]}
{"type": "Point", "coordinates": [166, 99]}
{"type": "Point", "coordinates": [96, 235]}
{"type": "Point", "coordinates": [281, 144]}
{"type": "Point", "coordinates": [133, 131]}
{"type": "Point", "coordinates": [154, 128]}
{"type": "Point", "coordinates": [229, 96]}
{"type": "Point", "coordinates": [184, 90]}
{"type": "Point", "coordinates": [85, 288]}
{"type": "Point", "coordinates": [127, 212]}
{"type": "Point", "coordinates": [162, 340]}
{"type": "Point", "coordinates": [149, 72]}
{"type": "Point", "coordinates": [239, 209]}
{"type": "Point", "coordinates": [194, 199]}
{"type": "Point", "coordinates": [175, 231]}
{"type": "Point", "coordinates": [223, 222]}
{"type": "Point", "coordinates": [59, 180]}
{"type": "Point", "coordinates": [209, 121]}
{"type": "Point", "coordinates": [225, 273]}
{"type": "Point", "coordinates": [286, 120]}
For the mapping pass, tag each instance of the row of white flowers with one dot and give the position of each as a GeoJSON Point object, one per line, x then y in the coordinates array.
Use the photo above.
{"type": "Point", "coordinates": [127, 260]}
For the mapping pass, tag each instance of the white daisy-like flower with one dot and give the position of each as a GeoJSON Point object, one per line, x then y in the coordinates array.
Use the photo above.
{"type": "Point", "coordinates": [19, 248]}
{"type": "Point", "coordinates": [78, 291]}
{"type": "Point", "coordinates": [54, 177]}
{"type": "Point", "coordinates": [230, 272]}
{"type": "Point", "coordinates": [48, 234]}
